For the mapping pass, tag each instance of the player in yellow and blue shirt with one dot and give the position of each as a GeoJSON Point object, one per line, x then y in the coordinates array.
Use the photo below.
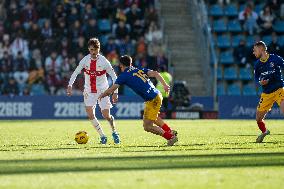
{"type": "Point", "coordinates": [267, 72]}
{"type": "Point", "coordinates": [138, 80]}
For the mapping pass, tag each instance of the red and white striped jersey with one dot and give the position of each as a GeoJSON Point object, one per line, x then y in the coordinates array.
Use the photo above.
{"type": "Point", "coordinates": [95, 73]}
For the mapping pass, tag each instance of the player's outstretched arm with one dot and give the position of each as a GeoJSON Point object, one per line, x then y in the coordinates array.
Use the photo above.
{"type": "Point", "coordinates": [73, 77]}
{"type": "Point", "coordinates": [109, 91]}
{"type": "Point", "coordinates": [158, 76]}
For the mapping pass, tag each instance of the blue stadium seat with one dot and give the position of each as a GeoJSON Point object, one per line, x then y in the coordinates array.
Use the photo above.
{"type": "Point", "coordinates": [230, 73]}
{"type": "Point", "coordinates": [250, 40]}
{"type": "Point", "coordinates": [279, 26]}
{"type": "Point", "coordinates": [219, 73]}
{"type": "Point", "coordinates": [219, 26]}
{"type": "Point", "coordinates": [103, 39]}
{"type": "Point", "coordinates": [216, 10]}
{"type": "Point", "coordinates": [234, 89]}
{"type": "Point", "coordinates": [231, 10]}
{"type": "Point", "coordinates": [234, 26]}
{"type": "Point", "coordinates": [259, 7]}
{"type": "Point", "coordinates": [281, 40]}
{"type": "Point", "coordinates": [245, 74]}
{"type": "Point", "coordinates": [226, 58]}
{"type": "Point", "coordinates": [104, 25]}
{"type": "Point", "coordinates": [223, 41]}
{"type": "Point", "coordinates": [267, 39]}
{"type": "Point", "coordinates": [242, 7]}
{"type": "Point", "coordinates": [249, 90]}
{"type": "Point", "coordinates": [236, 40]}
{"type": "Point", "coordinates": [221, 89]}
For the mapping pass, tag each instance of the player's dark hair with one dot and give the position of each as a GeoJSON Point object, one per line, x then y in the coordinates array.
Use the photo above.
{"type": "Point", "coordinates": [125, 60]}
{"type": "Point", "coordinates": [94, 42]}
{"type": "Point", "coordinates": [261, 44]}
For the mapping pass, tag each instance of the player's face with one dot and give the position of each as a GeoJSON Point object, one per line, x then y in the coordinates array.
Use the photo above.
{"type": "Point", "coordinates": [257, 52]}
{"type": "Point", "coordinates": [94, 51]}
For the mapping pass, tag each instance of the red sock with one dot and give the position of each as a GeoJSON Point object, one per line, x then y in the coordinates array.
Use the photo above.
{"type": "Point", "coordinates": [261, 126]}
{"type": "Point", "coordinates": [166, 128]}
{"type": "Point", "coordinates": [167, 135]}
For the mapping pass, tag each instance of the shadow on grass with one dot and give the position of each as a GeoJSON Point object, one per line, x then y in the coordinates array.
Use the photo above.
{"type": "Point", "coordinates": [128, 163]}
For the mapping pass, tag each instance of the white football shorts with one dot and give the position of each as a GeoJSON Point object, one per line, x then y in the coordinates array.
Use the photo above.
{"type": "Point", "coordinates": [91, 99]}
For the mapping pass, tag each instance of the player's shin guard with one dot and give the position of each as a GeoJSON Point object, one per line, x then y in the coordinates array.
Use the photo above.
{"type": "Point", "coordinates": [261, 126]}
{"type": "Point", "coordinates": [97, 126]}
{"type": "Point", "coordinates": [166, 128]}
{"type": "Point", "coordinates": [168, 135]}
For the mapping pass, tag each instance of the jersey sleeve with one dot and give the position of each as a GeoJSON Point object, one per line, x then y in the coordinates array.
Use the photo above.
{"type": "Point", "coordinates": [121, 79]}
{"type": "Point", "coordinates": [280, 61]}
{"type": "Point", "coordinates": [110, 72]}
{"type": "Point", "coordinates": [76, 72]}
{"type": "Point", "coordinates": [146, 70]}
{"type": "Point", "coordinates": [256, 74]}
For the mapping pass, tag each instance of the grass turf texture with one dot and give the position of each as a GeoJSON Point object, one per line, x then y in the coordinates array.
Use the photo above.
{"type": "Point", "coordinates": [209, 154]}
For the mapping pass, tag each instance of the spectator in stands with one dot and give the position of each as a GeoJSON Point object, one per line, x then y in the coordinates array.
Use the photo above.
{"type": "Point", "coordinates": [73, 16]}
{"type": "Point", "coordinates": [88, 13]}
{"type": "Point", "coordinates": [154, 34]}
{"type": "Point", "coordinates": [266, 21]}
{"type": "Point", "coordinates": [110, 46]}
{"type": "Point", "coordinates": [121, 31]}
{"type": "Point", "coordinates": [151, 15]}
{"type": "Point", "coordinates": [36, 70]}
{"type": "Point", "coordinates": [29, 15]}
{"type": "Point", "coordinates": [61, 31]}
{"type": "Point", "coordinates": [120, 15]}
{"type": "Point", "coordinates": [7, 62]}
{"type": "Point", "coordinates": [13, 14]}
{"type": "Point", "coordinates": [21, 74]}
{"type": "Point", "coordinates": [57, 14]}
{"type": "Point", "coordinates": [3, 13]}
{"type": "Point", "coordinates": [241, 53]}
{"type": "Point", "coordinates": [20, 45]}
{"type": "Point", "coordinates": [53, 82]}
{"type": "Point", "coordinates": [46, 31]}
{"type": "Point", "coordinates": [34, 36]}
{"type": "Point", "coordinates": [275, 6]}
{"type": "Point", "coordinates": [53, 62]}
{"type": "Point", "coordinates": [75, 31]}
{"type": "Point", "coordinates": [11, 88]}
{"type": "Point", "coordinates": [274, 47]}
{"type": "Point", "coordinates": [248, 17]}
{"type": "Point", "coordinates": [91, 29]}
{"type": "Point", "coordinates": [133, 14]}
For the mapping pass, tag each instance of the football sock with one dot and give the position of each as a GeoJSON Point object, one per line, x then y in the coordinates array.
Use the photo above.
{"type": "Point", "coordinates": [261, 126]}
{"type": "Point", "coordinates": [111, 123]}
{"type": "Point", "coordinates": [97, 126]}
{"type": "Point", "coordinates": [167, 135]}
{"type": "Point", "coordinates": [166, 128]}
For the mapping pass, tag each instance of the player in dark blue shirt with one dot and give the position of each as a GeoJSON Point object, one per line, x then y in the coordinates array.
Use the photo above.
{"type": "Point", "coordinates": [267, 72]}
{"type": "Point", "coordinates": [138, 80]}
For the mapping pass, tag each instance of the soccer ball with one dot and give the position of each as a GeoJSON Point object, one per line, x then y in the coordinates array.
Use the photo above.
{"type": "Point", "coordinates": [82, 137]}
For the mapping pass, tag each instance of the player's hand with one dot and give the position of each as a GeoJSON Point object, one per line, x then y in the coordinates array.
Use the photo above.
{"type": "Point", "coordinates": [264, 82]}
{"type": "Point", "coordinates": [114, 98]}
{"type": "Point", "coordinates": [167, 88]}
{"type": "Point", "coordinates": [100, 97]}
{"type": "Point", "coordinates": [69, 91]}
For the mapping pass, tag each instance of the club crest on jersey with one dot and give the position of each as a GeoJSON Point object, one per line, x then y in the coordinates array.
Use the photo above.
{"type": "Point", "coordinates": [272, 64]}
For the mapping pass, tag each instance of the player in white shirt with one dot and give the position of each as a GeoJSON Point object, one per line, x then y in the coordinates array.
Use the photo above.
{"type": "Point", "coordinates": [95, 66]}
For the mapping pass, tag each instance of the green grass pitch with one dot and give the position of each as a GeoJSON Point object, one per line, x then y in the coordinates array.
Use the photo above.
{"type": "Point", "coordinates": [209, 154]}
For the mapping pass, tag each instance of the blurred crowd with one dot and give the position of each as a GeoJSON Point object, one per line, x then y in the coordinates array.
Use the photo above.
{"type": "Point", "coordinates": [42, 41]}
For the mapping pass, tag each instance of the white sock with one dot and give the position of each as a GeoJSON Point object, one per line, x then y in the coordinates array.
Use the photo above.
{"type": "Point", "coordinates": [97, 126]}
{"type": "Point", "coordinates": [112, 126]}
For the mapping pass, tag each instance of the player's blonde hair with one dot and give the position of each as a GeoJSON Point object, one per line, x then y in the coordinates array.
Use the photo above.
{"type": "Point", "coordinates": [261, 44]}
{"type": "Point", "coordinates": [94, 42]}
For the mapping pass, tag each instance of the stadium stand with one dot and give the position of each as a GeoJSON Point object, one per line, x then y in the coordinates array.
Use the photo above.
{"type": "Point", "coordinates": [236, 26]}
{"type": "Point", "coordinates": [42, 41]}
